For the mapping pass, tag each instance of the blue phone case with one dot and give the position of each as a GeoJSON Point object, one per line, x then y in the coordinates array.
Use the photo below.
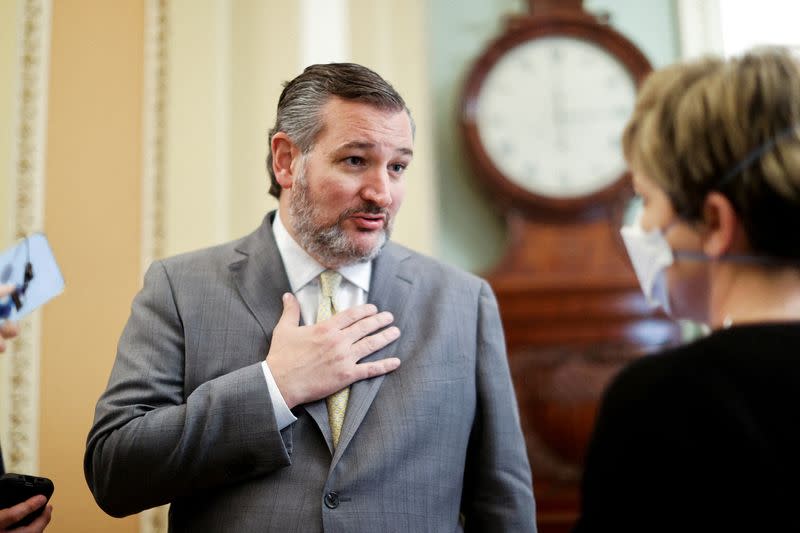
{"type": "Point", "coordinates": [43, 282]}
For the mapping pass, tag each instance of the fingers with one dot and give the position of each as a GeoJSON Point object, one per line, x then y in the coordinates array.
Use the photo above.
{"type": "Point", "coordinates": [347, 317]}
{"type": "Point", "coordinates": [373, 343]}
{"type": "Point", "coordinates": [363, 321]}
{"type": "Point", "coordinates": [376, 368]}
{"type": "Point", "coordinates": [291, 311]}
{"type": "Point", "coordinates": [38, 525]}
{"type": "Point", "coordinates": [9, 330]}
{"type": "Point", "coordinates": [16, 513]}
{"type": "Point", "coordinates": [367, 325]}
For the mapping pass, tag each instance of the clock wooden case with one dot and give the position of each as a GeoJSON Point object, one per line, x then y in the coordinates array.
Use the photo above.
{"type": "Point", "coordinates": [572, 309]}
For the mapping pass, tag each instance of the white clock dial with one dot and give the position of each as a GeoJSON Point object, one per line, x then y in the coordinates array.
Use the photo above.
{"type": "Point", "coordinates": [551, 114]}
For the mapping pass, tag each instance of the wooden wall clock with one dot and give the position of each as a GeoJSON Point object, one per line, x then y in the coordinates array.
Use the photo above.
{"type": "Point", "coordinates": [542, 114]}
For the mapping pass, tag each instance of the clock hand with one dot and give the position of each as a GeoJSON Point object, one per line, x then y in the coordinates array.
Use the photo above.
{"type": "Point", "coordinates": [558, 103]}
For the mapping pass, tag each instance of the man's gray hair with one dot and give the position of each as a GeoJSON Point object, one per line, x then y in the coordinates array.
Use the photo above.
{"type": "Point", "coordinates": [302, 100]}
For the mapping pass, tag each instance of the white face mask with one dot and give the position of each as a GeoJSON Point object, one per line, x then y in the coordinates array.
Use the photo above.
{"type": "Point", "coordinates": [650, 255]}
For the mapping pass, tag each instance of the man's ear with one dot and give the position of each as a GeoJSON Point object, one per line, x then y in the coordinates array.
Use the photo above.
{"type": "Point", "coordinates": [285, 159]}
{"type": "Point", "coordinates": [721, 224]}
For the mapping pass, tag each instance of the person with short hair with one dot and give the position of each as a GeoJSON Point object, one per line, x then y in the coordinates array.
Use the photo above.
{"type": "Point", "coordinates": [314, 376]}
{"type": "Point", "coordinates": [704, 437]}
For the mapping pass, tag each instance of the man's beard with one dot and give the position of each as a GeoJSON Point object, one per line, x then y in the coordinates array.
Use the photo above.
{"type": "Point", "coordinates": [329, 242]}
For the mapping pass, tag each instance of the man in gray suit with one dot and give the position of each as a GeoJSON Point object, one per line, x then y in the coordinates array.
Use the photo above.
{"type": "Point", "coordinates": [312, 376]}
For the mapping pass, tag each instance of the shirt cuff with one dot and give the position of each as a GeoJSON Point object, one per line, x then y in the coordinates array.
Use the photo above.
{"type": "Point", "coordinates": [283, 416]}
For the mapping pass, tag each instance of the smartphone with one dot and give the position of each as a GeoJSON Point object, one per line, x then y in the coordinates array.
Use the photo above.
{"type": "Point", "coordinates": [16, 488]}
{"type": "Point", "coordinates": [31, 267]}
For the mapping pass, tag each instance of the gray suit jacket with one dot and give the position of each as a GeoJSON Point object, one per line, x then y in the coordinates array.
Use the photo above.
{"type": "Point", "coordinates": [187, 419]}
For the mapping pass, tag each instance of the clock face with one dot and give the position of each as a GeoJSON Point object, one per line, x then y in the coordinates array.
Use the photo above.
{"type": "Point", "coordinates": [550, 116]}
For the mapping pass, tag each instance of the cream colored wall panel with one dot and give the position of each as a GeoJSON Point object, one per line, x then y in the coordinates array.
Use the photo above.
{"type": "Point", "coordinates": [198, 132]}
{"type": "Point", "coordinates": [389, 36]}
{"type": "Point", "coordinates": [325, 31]}
{"type": "Point", "coordinates": [265, 54]}
{"type": "Point", "coordinates": [699, 29]}
{"type": "Point", "coordinates": [226, 64]}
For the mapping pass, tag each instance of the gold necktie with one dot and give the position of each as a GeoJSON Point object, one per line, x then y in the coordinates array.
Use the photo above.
{"type": "Point", "coordinates": [337, 402]}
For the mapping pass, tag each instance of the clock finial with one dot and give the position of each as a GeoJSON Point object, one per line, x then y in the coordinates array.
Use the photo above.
{"type": "Point", "coordinates": [544, 7]}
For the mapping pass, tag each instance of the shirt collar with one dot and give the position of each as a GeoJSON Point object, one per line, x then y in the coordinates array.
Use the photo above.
{"type": "Point", "coordinates": [301, 268]}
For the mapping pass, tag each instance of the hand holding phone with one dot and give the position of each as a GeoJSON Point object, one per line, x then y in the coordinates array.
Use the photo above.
{"type": "Point", "coordinates": [23, 502]}
{"type": "Point", "coordinates": [11, 518]}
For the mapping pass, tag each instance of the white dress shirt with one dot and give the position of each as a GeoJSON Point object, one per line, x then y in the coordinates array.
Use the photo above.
{"type": "Point", "coordinates": [303, 272]}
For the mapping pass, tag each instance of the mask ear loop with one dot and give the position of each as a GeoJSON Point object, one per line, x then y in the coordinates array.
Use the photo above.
{"type": "Point", "coordinates": [754, 155]}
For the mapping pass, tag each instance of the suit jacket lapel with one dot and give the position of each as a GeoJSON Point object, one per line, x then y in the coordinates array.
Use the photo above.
{"type": "Point", "coordinates": [260, 276]}
{"type": "Point", "coordinates": [389, 289]}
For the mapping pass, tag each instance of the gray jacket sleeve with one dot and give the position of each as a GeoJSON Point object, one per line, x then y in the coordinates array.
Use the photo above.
{"type": "Point", "coordinates": [153, 440]}
{"type": "Point", "coordinates": [498, 493]}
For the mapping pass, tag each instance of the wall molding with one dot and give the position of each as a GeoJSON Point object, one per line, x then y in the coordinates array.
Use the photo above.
{"type": "Point", "coordinates": [27, 192]}
{"type": "Point", "coordinates": [155, 131]}
{"type": "Point", "coordinates": [154, 109]}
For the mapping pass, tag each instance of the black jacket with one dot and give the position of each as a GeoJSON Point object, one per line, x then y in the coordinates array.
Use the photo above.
{"type": "Point", "coordinates": [705, 437]}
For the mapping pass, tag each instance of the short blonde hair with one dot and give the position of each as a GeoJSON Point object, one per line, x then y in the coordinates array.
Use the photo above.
{"type": "Point", "coordinates": [695, 123]}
